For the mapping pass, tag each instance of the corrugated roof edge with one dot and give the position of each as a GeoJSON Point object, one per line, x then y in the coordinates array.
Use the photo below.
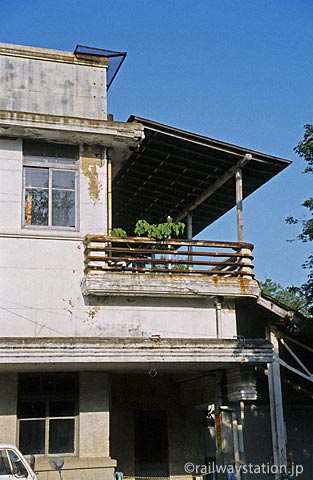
{"type": "Point", "coordinates": [240, 150]}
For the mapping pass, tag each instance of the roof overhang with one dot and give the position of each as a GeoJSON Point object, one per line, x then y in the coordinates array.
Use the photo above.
{"type": "Point", "coordinates": [120, 137]}
{"type": "Point", "coordinates": [174, 171]}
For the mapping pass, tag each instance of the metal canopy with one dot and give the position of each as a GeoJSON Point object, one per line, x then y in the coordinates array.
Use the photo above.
{"type": "Point", "coordinates": [173, 169]}
{"type": "Point", "coordinates": [115, 63]}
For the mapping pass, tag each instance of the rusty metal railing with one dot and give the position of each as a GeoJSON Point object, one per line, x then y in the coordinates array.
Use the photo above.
{"type": "Point", "coordinates": [179, 256]}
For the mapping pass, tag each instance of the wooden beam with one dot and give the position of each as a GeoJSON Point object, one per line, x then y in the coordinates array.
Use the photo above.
{"type": "Point", "coordinates": [292, 353]}
{"type": "Point", "coordinates": [295, 370]}
{"type": "Point", "coordinates": [214, 187]}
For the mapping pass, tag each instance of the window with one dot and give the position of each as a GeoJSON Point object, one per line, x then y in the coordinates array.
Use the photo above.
{"type": "Point", "coordinates": [47, 410]}
{"type": "Point", "coordinates": [50, 185]}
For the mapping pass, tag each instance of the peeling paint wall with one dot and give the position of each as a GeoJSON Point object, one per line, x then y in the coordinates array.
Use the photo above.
{"type": "Point", "coordinates": [91, 163]}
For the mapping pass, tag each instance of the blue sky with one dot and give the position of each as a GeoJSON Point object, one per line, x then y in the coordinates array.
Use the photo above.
{"type": "Point", "coordinates": [240, 71]}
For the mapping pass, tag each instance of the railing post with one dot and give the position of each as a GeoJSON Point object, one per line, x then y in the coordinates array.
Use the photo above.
{"type": "Point", "coordinates": [100, 255]}
{"type": "Point", "coordinates": [246, 268]}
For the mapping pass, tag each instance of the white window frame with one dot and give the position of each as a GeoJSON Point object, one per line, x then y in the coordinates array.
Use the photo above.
{"type": "Point", "coordinates": [47, 398]}
{"type": "Point", "coordinates": [44, 164]}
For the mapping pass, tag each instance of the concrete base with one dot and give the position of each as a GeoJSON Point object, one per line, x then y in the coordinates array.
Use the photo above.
{"type": "Point", "coordinates": [78, 469]}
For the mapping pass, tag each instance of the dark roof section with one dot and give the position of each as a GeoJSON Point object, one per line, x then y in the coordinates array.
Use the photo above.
{"type": "Point", "coordinates": [172, 168]}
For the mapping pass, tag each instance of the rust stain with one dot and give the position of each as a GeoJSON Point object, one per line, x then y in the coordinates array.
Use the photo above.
{"type": "Point", "coordinates": [215, 279]}
{"type": "Point", "coordinates": [93, 312]}
{"type": "Point", "coordinates": [243, 284]}
{"type": "Point", "coordinates": [90, 162]}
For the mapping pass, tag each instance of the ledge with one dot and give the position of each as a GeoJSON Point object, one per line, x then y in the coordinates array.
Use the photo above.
{"type": "Point", "coordinates": [168, 285]}
{"type": "Point", "coordinates": [129, 353]}
{"type": "Point", "coordinates": [69, 129]}
{"type": "Point", "coordinates": [45, 54]}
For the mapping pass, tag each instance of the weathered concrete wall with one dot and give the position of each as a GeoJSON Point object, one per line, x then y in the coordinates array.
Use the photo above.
{"type": "Point", "coordinates": [8, 405]}
{"type": "Point", "coordinates": [37, 80]}
{"type": "Point", "coordinates": [94, 415]}
{"type": "Point", "coordinates": [11, 184]}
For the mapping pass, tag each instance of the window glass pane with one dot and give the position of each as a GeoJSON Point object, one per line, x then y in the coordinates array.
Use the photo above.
{"type": "Point", "coordinates": [63, 208]}
{"type": "Point", "coordinates": [53, 151]}
{"type": "Point", "coordinates": [62, 408]}
{"type": "Point", "coordinates": [49, 383]}
{"type": "Point", "coordinates": [29, 383]}
{"type": "Point", "coordinates": [32, 436]}
{"type": "Point", "coordinates": [68, 383]}
{"type": "Point", "coordinates": [37, 177]}
{"type": "Point", "coordinates": [18, 467]}
{"type": "Point", "coordinates": [61, 436]}
{"type": "Point", "coordinates": [4, 463]}
{"type": "Point", "coordinates": [36, 207]}
{"type": "Point", "coordinates": [63, 180]}
{"type": "Point", "coordinates": [28, 409]}
{"type": "Point", "coordinates": [34, 149]}
{"type": "Point", "coordinates": [68, 152]}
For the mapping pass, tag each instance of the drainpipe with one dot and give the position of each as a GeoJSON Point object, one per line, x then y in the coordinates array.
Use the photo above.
{"type": "Point", "coordinates": [109, 190]}
{"type": "Point", "coordinates": [218, 316]}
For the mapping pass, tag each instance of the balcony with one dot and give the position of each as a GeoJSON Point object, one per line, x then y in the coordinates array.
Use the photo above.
{"type": "Point", "coordinates": [136, 266]}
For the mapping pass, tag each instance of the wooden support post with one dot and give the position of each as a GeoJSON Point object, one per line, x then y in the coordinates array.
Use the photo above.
{"type": "Point", "coordinates": [189, 225]}
{"type": "Point", "coordinates": [189, 236]}
{"type": "Point", "coordinates": [276, 409]}
{"type": "Point", "coordinates": [239, 204]}
{"type": "Point", "coordinates": [236, 445]}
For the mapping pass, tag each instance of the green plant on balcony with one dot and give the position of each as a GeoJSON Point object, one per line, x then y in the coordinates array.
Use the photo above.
{"type": "Point", "coordinates": [118, 232]}
{"type": "Point", "coordinates": [161, 231]}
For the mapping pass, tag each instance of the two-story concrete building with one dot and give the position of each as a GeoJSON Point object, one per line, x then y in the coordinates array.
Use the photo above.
{"type": "Point", "coordinates": [130, 351]}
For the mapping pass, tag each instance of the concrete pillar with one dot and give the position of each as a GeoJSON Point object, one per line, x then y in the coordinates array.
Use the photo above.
{"type": "Point", "coordinates": [94, 416]}
{"type": "Point", "coordinates": [8, 406]}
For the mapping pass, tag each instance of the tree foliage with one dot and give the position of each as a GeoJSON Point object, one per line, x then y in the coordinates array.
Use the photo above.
{"type": "Point", "coordinates": [294, 298]}
{"type": "Point", "coordinates": [305, 150]}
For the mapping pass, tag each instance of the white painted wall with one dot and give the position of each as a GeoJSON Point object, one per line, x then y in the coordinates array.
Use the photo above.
{"type": "Point", "coordinates": [40, 277]}
{"type": "Point", "coordinates": [41, 296]}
